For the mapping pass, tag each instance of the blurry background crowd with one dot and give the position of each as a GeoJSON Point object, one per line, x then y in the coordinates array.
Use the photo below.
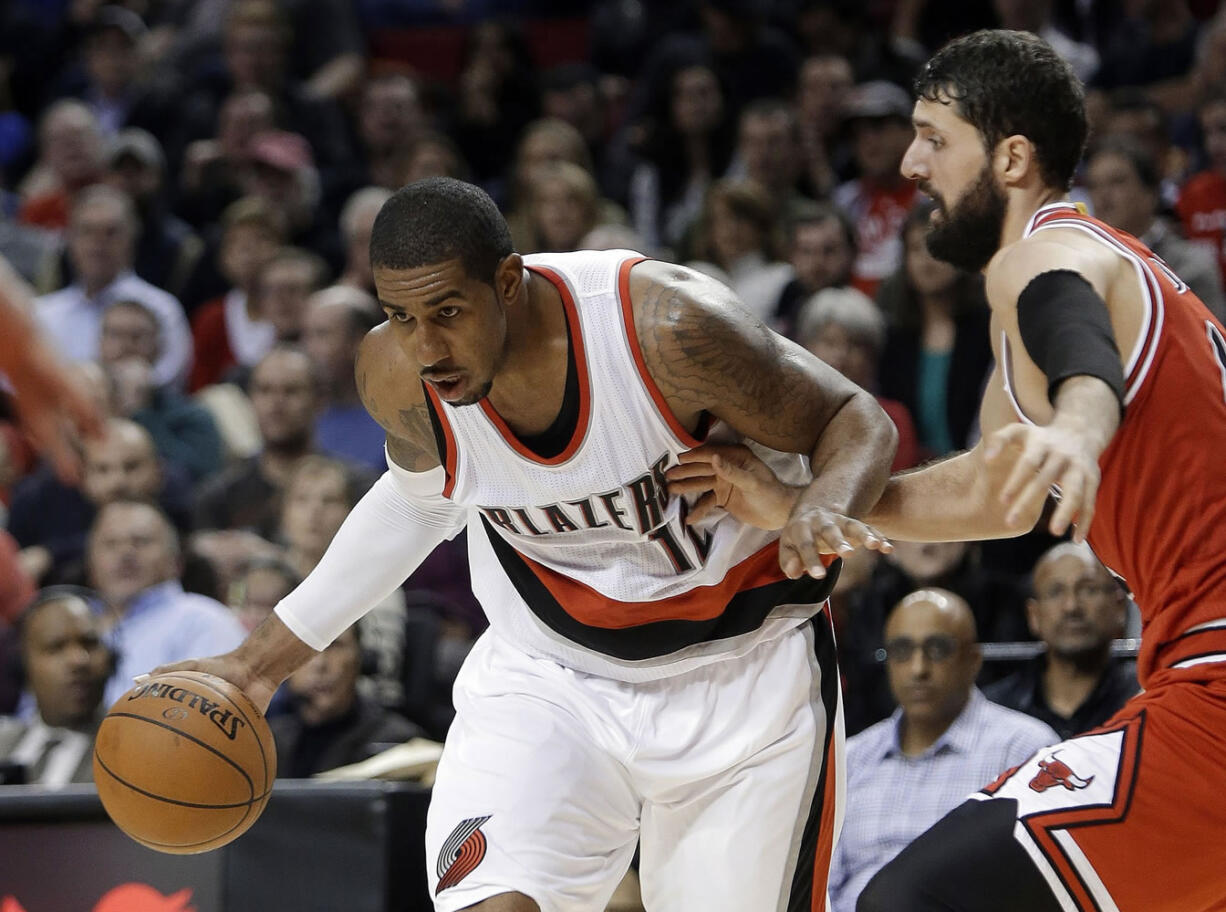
{"type": "Point", "coordinates": [189, 187]}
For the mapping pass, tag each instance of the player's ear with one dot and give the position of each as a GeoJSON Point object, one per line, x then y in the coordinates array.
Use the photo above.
{"type": "Point", "coordinates": [508, 277]}
{"type": "Point", "coordinates": [1014, 160]}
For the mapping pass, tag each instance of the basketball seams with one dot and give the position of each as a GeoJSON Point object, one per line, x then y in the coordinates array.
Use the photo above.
{"type": "Point", "coordinates": [269, 775]}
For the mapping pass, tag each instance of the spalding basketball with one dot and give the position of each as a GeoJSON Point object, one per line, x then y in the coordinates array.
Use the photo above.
{"type": "Point", "coordinates": [184, 762]}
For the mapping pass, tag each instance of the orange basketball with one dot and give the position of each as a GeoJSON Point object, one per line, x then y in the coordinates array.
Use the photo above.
{"type": "Point", "coordinates": [184, 762]}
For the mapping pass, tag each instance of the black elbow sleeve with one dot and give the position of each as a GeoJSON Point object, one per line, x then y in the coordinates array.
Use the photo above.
{"type": "Point", "coordinates": [1067, 331]}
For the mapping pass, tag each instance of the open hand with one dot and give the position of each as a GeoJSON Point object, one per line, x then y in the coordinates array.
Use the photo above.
{"type": "Point", "coordinates": [814, 531]}
{"type": "Point", "coordinates": [1038, 457]}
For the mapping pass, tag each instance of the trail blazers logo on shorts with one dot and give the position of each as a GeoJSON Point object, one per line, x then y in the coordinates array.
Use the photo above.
{"type": "Point", "coordinates": [461, 853]}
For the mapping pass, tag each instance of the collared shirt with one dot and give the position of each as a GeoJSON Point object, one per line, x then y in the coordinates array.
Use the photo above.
{"type": "Point", "coordinates": [1023, 691]}
{"type": "Point", "coordinates": [64, 748]}
{"type": "Point", "coordinates": [892, 798]}
{"type": "Point", "coordinates": [166, 624]}
{"type": "Point", "coordinates": [74, 321]}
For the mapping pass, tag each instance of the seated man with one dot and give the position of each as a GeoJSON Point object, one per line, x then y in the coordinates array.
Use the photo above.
{"type": "Point", "coordinates": [332, 725]}
{"type": "Point", "coordinates": [1077, 610]}
{"type": "Point", "coordinates": [135, 564]}
{"type": "Point", "coordinates": [944, 741]}
{"type": "Point", "coordinates": [66, 665]}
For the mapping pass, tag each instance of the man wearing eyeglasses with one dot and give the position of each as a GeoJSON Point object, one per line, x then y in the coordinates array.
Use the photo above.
{"type": "Point", "coordinates": [943, 742]}
{"type": "Point", "coordinates": [1077, 610]}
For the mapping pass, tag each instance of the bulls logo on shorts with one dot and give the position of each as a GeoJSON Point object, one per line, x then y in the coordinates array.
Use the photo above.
{"type": "Point", "coordinates": [461, 853]}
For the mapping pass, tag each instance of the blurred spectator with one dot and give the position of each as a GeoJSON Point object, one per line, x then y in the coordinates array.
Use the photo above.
{"type": "Point", "coordinates": [1152, 44]}
{"type": "Point", "coordinates": [135, 564]}
{"type": "Point", "coordinates": [167, 249]}
{"type": "Point", "coordinates": [229, 331]}
{"type": "Point", "coordinates": [572, 93]}
{"type": "Point", "coordinates": [1036, 16]}
{"type": "Point", "coordinates": [943, 742]}
{"type": "Point", "coordinates": [769, 152]}
{"type": "Point", "coordinates": [496, 95]}
{"type": "Point", "coordinates": [738, 234]}
{"type": "Point", "coordinates": [613, 237]}
{"type": "Point", "coordinates": [1124, 186]}
{"type": "Point", "coordinates": [283, 284]}
{"type": "Point", "coordinates": [845, 329]}
{"type": "Point", "coordinates": [101, 239]}
{"type": "Point", "coordinates": [1202, 201]}
{"type": "Point", "coordinates": [878, 200]}
{"type": "Point", "coordinates": [65, 666]}
{"type": "Point", "coordinates": [390, 121]}
{"type": "Point", "coordinates": [16, 586]}
{"type": "Point", "coordinates": [822, 89]}
{"type": "Point", "coordinates": [564, 207]}
{"type": "Point", "coordinates": [331, 724]}
{"type": "Point", "coordinates": [337, 320]}
{"type": "Point", "coordinates": [215, 170]}
{"type": "Point", "coordinates": [544, 144]}
{"type": "Point", "coordinates": [1077, 610]}
{"type": "Point", "coordinates": [997, 600]}
{"type": "Point", "coordinates": [435, 155]}
{"type": "Point", "coordinates": [1134, 115]}
{"type": "Point", "coordinates": [109, 77]}
{"type": "Point", "coordinates": [259, 584]}
{"type": "Point", "coordinates": [318, 496]}
{"type": "Point", "coordinates": [285, 394]}
{"type": "Point", "coordinates": [182, 431]}
{"type": "Point", "coordinates": [31, 252]}
{"type": "Point", "coordinates": [847, 28]}
{"type": "Point", "coordinates": [70, 151]}
{"type": "Point", "coordinates": [686, 143]}
{"type": "Point", "coordinates": [283, 174]}
{"type": "Point", "coordinates": [357, 219]}
{"type": "Point", "coordinates": [821, 247]}
{"type": "Point", "coordinates": [937, 355]}
{"type": "Point", "coordinates": [50, 519]}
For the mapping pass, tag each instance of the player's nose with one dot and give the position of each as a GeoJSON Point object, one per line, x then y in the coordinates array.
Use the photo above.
{"type": "Point", "coordinates": [913, 166]}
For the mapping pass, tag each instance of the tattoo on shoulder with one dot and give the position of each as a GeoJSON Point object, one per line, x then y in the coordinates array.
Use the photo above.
{"type": "Point", "coordinates": [413, 446]}
{"type": "Point", "coordinates": [699, 359]}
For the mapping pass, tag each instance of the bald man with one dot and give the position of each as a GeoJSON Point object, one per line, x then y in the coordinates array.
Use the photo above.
{"type": "Point", "coordinates": [1077, 610]}
{"type": "Point", "coordinates": [943, 742]}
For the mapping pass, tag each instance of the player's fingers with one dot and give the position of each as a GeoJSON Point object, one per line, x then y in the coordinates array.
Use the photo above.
{"type": "Point", "coordinates": [1072, 489]}
{"type": "Point", "coordinates": [1027, 464]}
{"type": "Point", "coordinates": [1085, 513]}
{"type": "Point", "coordinates": [705, 452]}
{"type": "Point", "coordinates": [703, 507]}
{"type": "Point", "coordinates": [999, 441]}
{"type": "Point", "coordinates": [862, 535]}
{"type": "Point", "coordinates": [735, 473]}
{"type": "Point", "coordinates": [789, 560]}
{"type": "Point", "coordinates": [689, 470]}
{"type": "Point", "coordinates": [809, 548]}
{"type": "Point", "coordinates": [699, 484]}
{"type": "Point", "coordinates": [1036, 489]}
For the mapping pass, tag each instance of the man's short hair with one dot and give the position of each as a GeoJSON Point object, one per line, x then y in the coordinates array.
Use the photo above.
{"type": "Point", "coordinates": [1005, 83]}
{"type": "Point", "coordinates": [438, 219]}
{"type": "Point", "coordinates": [848, 308]}
{"type": "Point", "coordinates": [1141, 162]}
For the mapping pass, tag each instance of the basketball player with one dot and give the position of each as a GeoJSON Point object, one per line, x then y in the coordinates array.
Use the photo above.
{"type": "Point", "coordinates": [643, 681]}
{"type": "Point", "coordinates": [1110, 386]}
{"type": "Point", "coordinates": [54, 409]}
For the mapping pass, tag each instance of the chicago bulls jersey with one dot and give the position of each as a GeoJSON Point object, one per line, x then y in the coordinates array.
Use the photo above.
{"type": "Point", "coordinates": [582, 557]}
{"type": "Point", "coordinates": [1160, 517]}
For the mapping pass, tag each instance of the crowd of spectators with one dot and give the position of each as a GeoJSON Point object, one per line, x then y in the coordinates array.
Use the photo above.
{"type": "Point", "coordinates": [189, 188]}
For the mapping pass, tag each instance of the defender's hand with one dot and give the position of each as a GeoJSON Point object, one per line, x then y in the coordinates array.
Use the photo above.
{"type": "Point", "coordinates": [730, 477]}
{"type": "Point", "coordinates": [1037, 458]}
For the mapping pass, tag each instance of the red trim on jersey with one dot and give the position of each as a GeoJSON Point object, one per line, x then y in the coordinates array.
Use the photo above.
{"type": "Point", "coordinates": [1195, 644]}
{"type": "Point", "coordinates": [449, 458]}
{"type": "Point", "coordinates": [702, 603]}
{"type": "Point", "coordinates": [1042, 825]}
{"type": "Point", "coordinates": [585, 384]}
{"type": "Point", "coordinates": [825, 837]}
{"type": "Point", "coordinates": [623, 291]}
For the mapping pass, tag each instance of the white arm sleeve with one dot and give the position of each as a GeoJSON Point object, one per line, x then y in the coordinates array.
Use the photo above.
{"type": "Point", "coordinates": [402, 518]}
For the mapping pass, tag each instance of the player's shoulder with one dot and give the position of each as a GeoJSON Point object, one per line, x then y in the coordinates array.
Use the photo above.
{"type": "Point", "coordinates": [387, 381]}
{"type": "Point", "coordinates": [1015, 265]}
{"type": "Point", "coordinates": [665, 296]}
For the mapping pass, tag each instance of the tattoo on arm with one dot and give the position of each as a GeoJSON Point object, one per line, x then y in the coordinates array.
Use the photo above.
{"type": "Point", "coordinates": [414, 447]}
{"type": "Point", "coordinates": [706, 357]}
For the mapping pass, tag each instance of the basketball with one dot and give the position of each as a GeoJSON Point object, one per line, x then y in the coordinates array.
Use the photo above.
{"type": "Point", "coordinates": [184, 762]}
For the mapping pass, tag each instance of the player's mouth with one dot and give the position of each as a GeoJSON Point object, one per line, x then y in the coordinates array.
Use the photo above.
{"type": "Point", "coordinates": [447, 386]}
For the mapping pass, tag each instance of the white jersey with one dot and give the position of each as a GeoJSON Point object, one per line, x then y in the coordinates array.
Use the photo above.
{"type": "Point", "coordinates": [582, 557]}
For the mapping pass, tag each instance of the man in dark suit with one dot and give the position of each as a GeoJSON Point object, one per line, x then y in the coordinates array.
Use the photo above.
{"type": "Point", "coordinates": [66, 665]}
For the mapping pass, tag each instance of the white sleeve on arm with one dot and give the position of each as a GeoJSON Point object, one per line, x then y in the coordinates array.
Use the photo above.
{"type": "Point", "coordinates": [402, 518]}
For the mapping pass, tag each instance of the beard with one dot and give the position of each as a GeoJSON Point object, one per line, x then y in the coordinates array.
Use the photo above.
{"type": "Point", "coordinates": [968, 235]}
{"type": "Point", "coordinates": [476, 396]}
